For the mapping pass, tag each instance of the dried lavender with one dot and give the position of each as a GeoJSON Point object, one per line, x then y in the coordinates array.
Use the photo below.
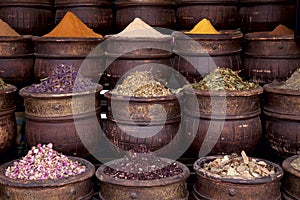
{"type": "Point", "coordinates": [238, 167]}
{"type": "Point", "coordinates": [44, 163]}
{"type": "Point", "coordinates": [141, 164]}
{"type": "Point", "coordinates": [292, 83]}
{"type": "Point", "coordinates": [296, 164]}
{"type": "Point", "coordinates": [3, 85]}
{"type": "Point", "coordinates": [63, 79]}
{"type": "Point", "coordinates": [141, 84]}
{"type": "Point", "coordinates": [223, 79]}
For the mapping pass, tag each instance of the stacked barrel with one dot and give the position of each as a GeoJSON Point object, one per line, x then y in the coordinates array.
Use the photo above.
{"type": "Point", "coordinates": [253, 39]}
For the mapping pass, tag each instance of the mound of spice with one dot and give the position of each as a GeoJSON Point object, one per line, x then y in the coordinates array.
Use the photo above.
{"type": "Point", "coordinates": [7, 30]}
{"type": "Point", "coordinates": [72, 26]}
{"type": "Point", "coordinates": [138, 28]}
{"type": "Point", "coordinates": [64, 79]}
{"type": "Point", "coordinates": [223, 79]}
{"type": "Point", "coordinates": [281, 30]}
{"type": "Point", "coordinates": [44, 163]}
{"type": "Point", "coordinates": [3, 85]}
{"type": "Point", "coordinates": [141, 164]}
{"type": "Point", "coordinates": [292, 83]}
{"type": "Point", "coordinates": [296, 163]}
{"type": "Point", "coordinates": [238, 167]}
{"type": "Point", "coordinates": [141, 84]}
{"type": "Point", "coordinates": [203, 27]}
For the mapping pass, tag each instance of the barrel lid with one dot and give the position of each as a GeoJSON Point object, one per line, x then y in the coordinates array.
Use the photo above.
{"type": "Point", "coordinates": [286, 165]}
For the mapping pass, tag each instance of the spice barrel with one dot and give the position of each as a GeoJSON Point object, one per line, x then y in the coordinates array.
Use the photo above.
{"type": "Point", "coordinates": [152, 121]}
{"type": "Point", "coordinates": [223, 14]}
{"type": "Point", "coordinates": [73, 187]}
{"type": "Point", "coordinates": [209, 187]}
{"type": "Point", "coordinates": [270, 57]}
{"type": "Point", "coordinates": [291, 179]}
{"type": "Point", "coordinates": [265, 15]}
{"type": "Point", "coordinates": [196, 55]}
{"type": "Point", "coordinates": [28, 17]}
{"type": "Point", "coordinates": [17, 62]}
{"type": "Point", "coordinates": [224, 121]}
{"type": "Point", "coordinates": [81, 53]}
{"type": "Point", "coordinates": [71, 121]}
{"type": "Point", "coordinates": [282, 119]}
{"type": "Point", "coordinates": [96, 14]}
{"type": "Point", "coordinates": [156, 13]}
{"type": "Point", "coordinates": [174, 187]}
{"type": "Point", "coordinates": [123, 54]}
{"type": "Point", "coordinates": [8, 124]}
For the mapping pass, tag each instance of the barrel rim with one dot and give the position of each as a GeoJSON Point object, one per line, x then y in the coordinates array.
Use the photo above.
{"type": "Point", "coordinates": [142, 183]}
{"type": "Point", "coordinates": [223, 93]}
{"type": "Point", "coordinates": [90, 170]}
{"type": "Point", "coordinates": [201, 172]}
{"type": "Point", "coordinates": [28, 94]}
{"type": "Point", "coordinates": [264, 35]}
{"type": "Point", "coordinates": [286, 165]}
{"type": "Point", "coordinates": [275, 89]}
{"type": "Point", "coordinates": [117, 97]}
{"type": "Point", "coordinates": [262, 2]}
{"type": "Point", "coordinates": [115, 37]}
{"type": "Point", "coordinates": [125, 3]}
{"type": "Point", "coordinates": [77, 3]}
{"type": "Point", "coordinates": [225, 35]}
{"type": "Point", "coordinates": [200, 2]}
{"type": "Point", "coordinates": [66, 39]}
{"type": "Point", "coordinates": [20, 38]}
{"type": "Point", "coordinates": [37, 4]}
{"type": "Point", "coordinates": [9, 90]}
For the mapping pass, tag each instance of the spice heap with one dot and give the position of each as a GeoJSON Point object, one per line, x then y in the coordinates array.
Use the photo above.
{"type": "Point", "coordinates": [223, 79]}
{"type": "Point", "coordinates": [72, 26]}
{"type": "Point", "coordinates": [141, 164]}
{"type": "Point", "coordinates": [281, 30]}
{"type": "Point", "coordinates": [6, 29]}
{"type": "Point", "coordinates": [296, 164]}
{"type": "Point", "coordinates": [64, 79]}
{"type": "Point", "coordinates": [3, 85]}
{"type": "Point", "coordinates": [238, 167]}
{"type": "Point", "coordinates": [203, 27]}
{"type": "Point", "coordinates": [141, 84]}
{"type": "Point", "coordinates": [44, 163]}
{"type": "Point", "coordinates": [292, 83]}
{"type": "Point", "coordinates": [138, 28]}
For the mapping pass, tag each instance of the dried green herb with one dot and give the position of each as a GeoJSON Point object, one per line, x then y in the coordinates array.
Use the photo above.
{"type": "Point", "coordinates": [141, 84]}
{"type": "Point", "coordinates": [292, 83]}
{"type": "Point", "coordinates": [3, 85]}
{"type": "Point", "coordinates": [238, 167]}
{"type": "Point", "coordinates": [223, 79]}
{"type": "Point", "coordinates": [296, 164]}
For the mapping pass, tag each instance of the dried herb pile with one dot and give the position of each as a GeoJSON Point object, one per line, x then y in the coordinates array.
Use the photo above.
{"type": "Point", "coordinates": [292, 83]}
{"type": "Point", "coordinates": [223, 79]}
{"type": "Point", "coordinates": [238, 167]}
{"type": "Point", "coordinates": [64, 79]}
{"type": "Point", "coordinates": [141, 164]}
{"type": "Point", "coordinates": [141, 84]}
{"type": "Point", "coordinates": [3, 85]}
{"type": "Point", "coordinates": [296, 164]}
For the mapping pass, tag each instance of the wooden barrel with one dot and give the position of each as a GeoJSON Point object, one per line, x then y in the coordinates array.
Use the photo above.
{"type": "Point", "coordinates": [223, 14]}
{"type": "Point", "coordinates": [174, 187]}
{"type": "Point", "coordinates": [269, 58]}
{"type": "Point", "coordinates": [71, 121]}
{"type": "Point", "coordinates": [152, 121]}
{"type": "Point", "coordinates": [141, 54]}
{"type": "Point", "coordinates": [291, 179]}
{"type": "Point", "coordinates": [82, 53]}
{"type": "Point", "coordinates": [265, 15]}
{"type": "Point", "coordinates": [222, 122]}
{"type": "Point", "coordinates": [156, 13]}
{"type": "Point", "coordinates": [28, 17]}
{"type": "Point", "coordinates": [16, 63]}
{"type": "Point", "coordinates": [96, 14]}
{"type": "Point", "coordinates": [197, 55]}
{"type": "Point", "coordinates": [208, 187]}
{"type": "Point", "coordinates": [282, 119]}
{"type": "Point", "coordinates": [8, 124]}
{"type": "Point", "coordinates": [72, 187]}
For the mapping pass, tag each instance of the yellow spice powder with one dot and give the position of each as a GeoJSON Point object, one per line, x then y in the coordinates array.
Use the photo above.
{"type": "Point", "coordinates": [203, 27]}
